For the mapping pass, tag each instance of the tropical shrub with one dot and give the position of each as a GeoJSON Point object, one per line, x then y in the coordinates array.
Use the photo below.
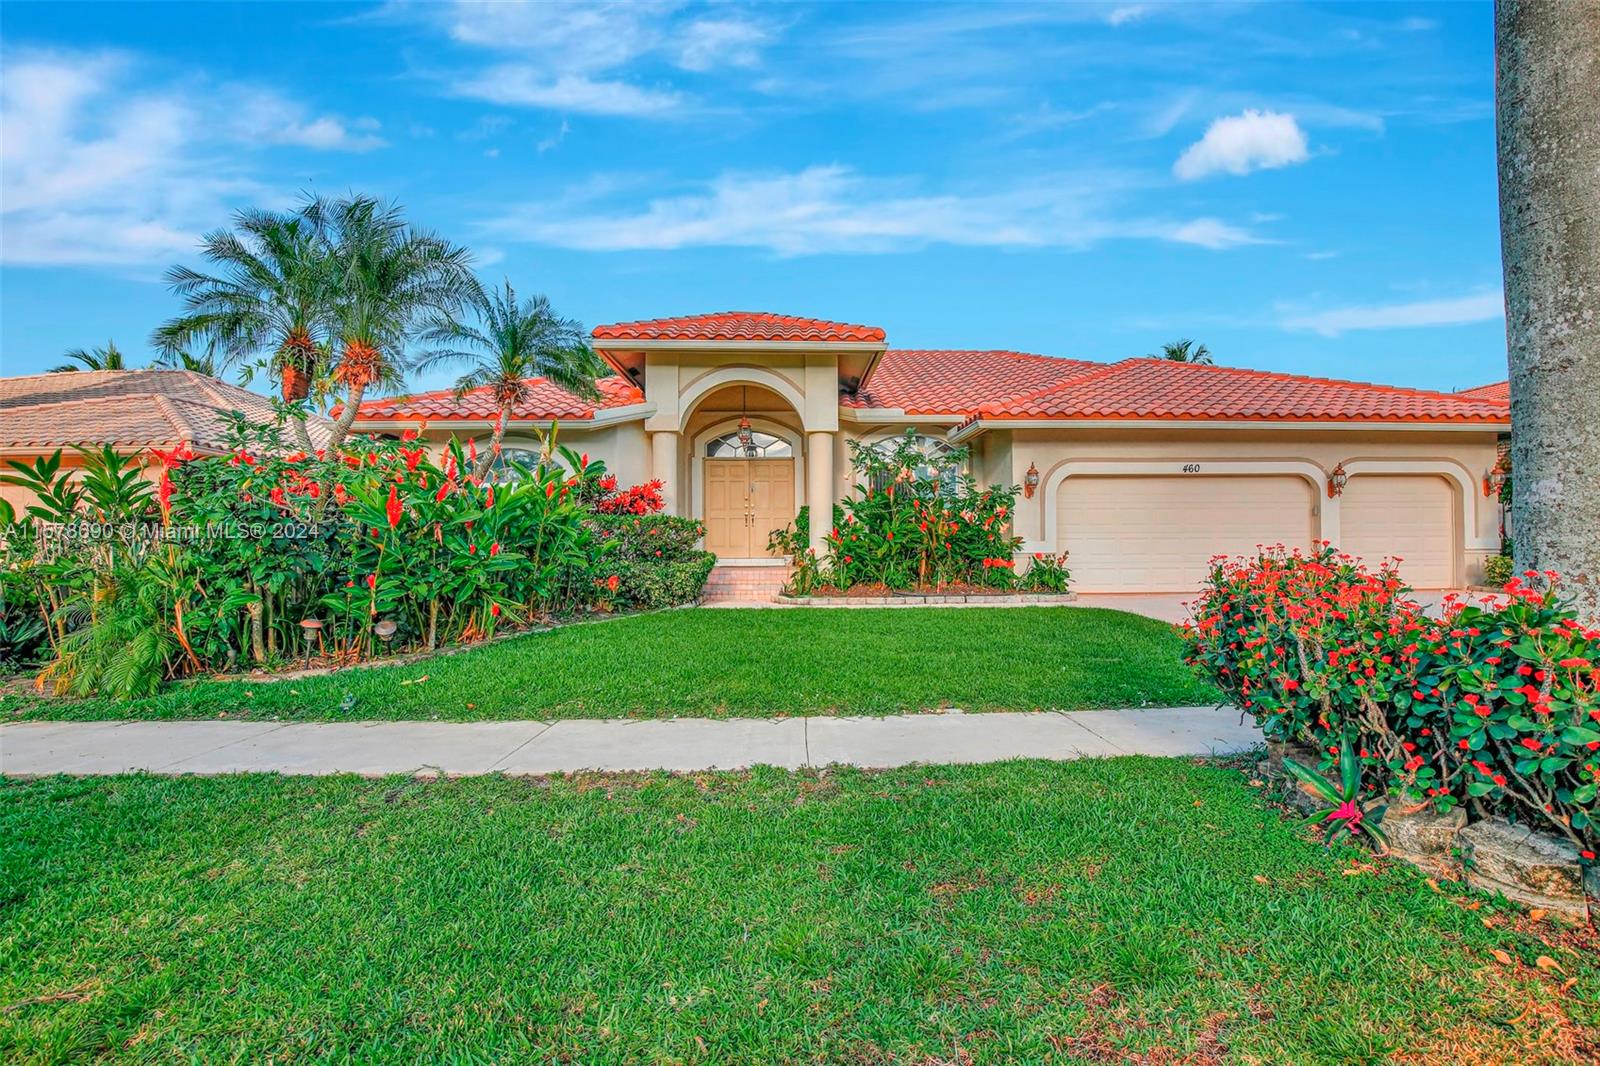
{"type": "Point", "coordinates": [1046, 573]}
{"type": "Point", "coordinates": [263, 554]}
{"type": "Point", "coordinates": [1497, 570]}
{"type": "Point", "coordinates": [655, 561]}
{"type": "Point", "coordinates": [915, 520]}
{"type": "Point", "coordinates": [1495, 705]}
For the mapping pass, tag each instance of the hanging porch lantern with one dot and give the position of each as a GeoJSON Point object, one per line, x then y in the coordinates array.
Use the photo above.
{"type": "Point", "coordinates": [747, 435]}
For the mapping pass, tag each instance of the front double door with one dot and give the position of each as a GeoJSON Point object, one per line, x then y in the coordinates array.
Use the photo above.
{"type": "Point", "coordinates": [746, 499]}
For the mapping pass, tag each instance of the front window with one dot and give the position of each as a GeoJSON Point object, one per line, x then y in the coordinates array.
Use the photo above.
{"type": "Point", "coordinates": [761, 446]}
{"type": "Point", "coordinates": [513, 466]}
{"type": "Point", "coordinates": [937, 464]}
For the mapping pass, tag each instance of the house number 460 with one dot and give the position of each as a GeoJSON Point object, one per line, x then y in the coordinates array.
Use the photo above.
{"type": "Point", "coordinates": [1191, 468]}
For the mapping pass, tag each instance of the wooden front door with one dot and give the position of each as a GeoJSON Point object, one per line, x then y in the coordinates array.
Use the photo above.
{"type": "Point", "coordinates": [746, 499]}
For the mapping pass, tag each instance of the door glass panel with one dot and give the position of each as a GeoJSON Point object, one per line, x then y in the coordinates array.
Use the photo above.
{"type": "Point", "coordinates": [761, 446]}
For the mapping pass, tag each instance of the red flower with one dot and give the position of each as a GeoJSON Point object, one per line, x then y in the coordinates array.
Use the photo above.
{"type": "Point", "coordinates": [494, 549]}
{"type": "Point", "coordinates": [372, 581]}
{"type": "Point", "coordinates": [392, 508]}
{"type": "Point", "coordinates": [612, 582]}
{"type": "Point", "coordinates": [409, 435]}
{"type": "Point", "coordinates": [494, 610]}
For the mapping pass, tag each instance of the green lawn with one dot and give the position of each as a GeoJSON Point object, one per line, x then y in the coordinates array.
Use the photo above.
{"type": "Point", "coordinates": [745, 663]}
{"type": "Point", "coordinates": [1092, 912]}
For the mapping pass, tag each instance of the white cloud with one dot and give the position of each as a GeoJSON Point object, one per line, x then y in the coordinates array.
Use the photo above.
{"type": "Point", "coordinates": [1120, 16]}
{"type": "Point", "coordinates": [708, 43]}
{"type": "Point", "coordinates": [265, 117]}
{"type": "Point", "coordinates": [527, 85]}
{"type": "Point", "coordinates": [1238, 144]}
{"type": "Point", "coordinates": [832, 209]}
{"type": "Point", "coordinates": [569, 57]}
{"type": "Point", "coordinates": [97, 169]}
{"type": "Point", "coordinates": [555, 139]}
{"type": "Point", "coordinates": [1477, 307]}
{"type": "Point", "coordinates": [1214, 234]}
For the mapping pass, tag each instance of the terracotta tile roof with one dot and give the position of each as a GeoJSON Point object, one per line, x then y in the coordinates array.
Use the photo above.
{"type": "Point", "coordinates": [545, 401]}
{"type": "Point", "coordinates": [1161, 389]}
{"type": "Point", "coordinates": [129, 409]}
{"type": "Point", "coordinates": [1498, 390]}
{"type": "Point", "coordinates": [739, 326]}
{"type": "Point", "coordinates": [925, 381]}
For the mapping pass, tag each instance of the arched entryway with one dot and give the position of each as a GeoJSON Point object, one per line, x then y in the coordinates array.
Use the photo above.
{"type": "Point", "coordinates": [747, 469]}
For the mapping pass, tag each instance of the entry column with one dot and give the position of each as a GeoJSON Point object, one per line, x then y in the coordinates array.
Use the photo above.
{"type": "Point", "coordinates": [819, 488]}
{"type": "Point", "coordinates": [664, 467]}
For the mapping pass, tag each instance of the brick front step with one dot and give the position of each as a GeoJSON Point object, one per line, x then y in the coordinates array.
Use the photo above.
{"type": "Point", "coordinates": [731, 583]}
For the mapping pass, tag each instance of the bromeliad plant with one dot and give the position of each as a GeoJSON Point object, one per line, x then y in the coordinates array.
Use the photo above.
{"type": "Point", "coordinates": [1342, 814]}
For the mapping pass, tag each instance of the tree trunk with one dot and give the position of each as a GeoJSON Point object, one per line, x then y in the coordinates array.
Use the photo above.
{"type": "Point", "coordinates": [302, 437]}
{"type": "Point", "coordinates": [347, 416]}
{"type": "Point", "coordinates": [480, 469]}
{"type": "Point", "coordinates": [1547, 104]}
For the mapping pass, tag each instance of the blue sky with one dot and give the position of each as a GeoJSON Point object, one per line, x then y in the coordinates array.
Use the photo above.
{"type": "Point", "coordinates": [1303, 188]}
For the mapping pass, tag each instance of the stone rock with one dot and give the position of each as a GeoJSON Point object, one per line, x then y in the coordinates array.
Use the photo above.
{"type": "Point", "coordinates": [1278, 750]}
{"type": "Point", "coordinates": [1529, 867]}
{"type": "Point", "coordinates": [1424, 838]}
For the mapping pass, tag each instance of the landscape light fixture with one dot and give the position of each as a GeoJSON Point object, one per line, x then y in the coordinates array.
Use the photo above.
{"type": "Point", "coordinates": [1030, 481]}
{"type": "Point", "coordinates": [310, 628]}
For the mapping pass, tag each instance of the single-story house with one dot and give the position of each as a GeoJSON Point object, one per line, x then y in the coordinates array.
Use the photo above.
{"type": "Point", "coordinates": [1142, 469]}
{"type": "Point", "coordinates": [131, 410]}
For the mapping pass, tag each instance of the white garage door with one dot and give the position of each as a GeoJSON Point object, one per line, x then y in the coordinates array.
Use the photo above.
{"type": "Point", "coordinates": [1412, 517]}
{"type": "Point", "coordinates": [1158, 534]}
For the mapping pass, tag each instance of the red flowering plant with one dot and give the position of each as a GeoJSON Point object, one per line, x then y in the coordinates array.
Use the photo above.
{"type": "Point", "coordinates": [917, 519]}
{"type": "Point", "coordinates": [1493, 705]}
{"type": "Point", "coordinates": [1518, 683]}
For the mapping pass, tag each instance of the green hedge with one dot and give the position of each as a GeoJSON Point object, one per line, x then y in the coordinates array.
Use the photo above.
{"type": "Point", "coordinates": [663, 584]}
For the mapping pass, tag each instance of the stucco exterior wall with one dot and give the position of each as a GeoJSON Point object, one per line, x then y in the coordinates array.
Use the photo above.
{"type": "Point", "coordinates": [1461, 457]}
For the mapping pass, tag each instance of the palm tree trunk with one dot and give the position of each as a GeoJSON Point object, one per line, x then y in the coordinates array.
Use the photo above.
{"type": "Point", "coordinates": [347, 416]}
{"type": "Point", "coordinates": [481, 468]}
{"type": "Point", "coordinates": [1548, 118]}
{"type": "Point", "coordinates": [302, 438]}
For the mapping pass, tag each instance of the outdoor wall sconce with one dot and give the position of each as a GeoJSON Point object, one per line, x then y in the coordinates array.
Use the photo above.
{"type": "Point", "coordinates": [310, 628]}
{"type": "Point", "coordinates": [1030, 481]}
{"type": "Point", "coordinates": [1337, 480]}
{"type": "Point", "coordinates": [1495, 479]}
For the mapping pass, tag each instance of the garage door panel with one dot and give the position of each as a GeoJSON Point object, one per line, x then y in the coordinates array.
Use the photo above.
{"type": "Point", "coordinates": [1411, 517]}
{"type": "Point", "coordinates": [1158, 534]}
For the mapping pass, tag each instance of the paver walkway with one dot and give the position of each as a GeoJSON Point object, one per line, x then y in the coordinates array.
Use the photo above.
{"type": "Point", "coordinates": [683, 744]}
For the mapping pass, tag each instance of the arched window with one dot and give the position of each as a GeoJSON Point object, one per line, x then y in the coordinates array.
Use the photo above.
{"type": "Point", "coordinates": [514, 465]}
{"type": "Point", "coordinates": [937, 464]}
{"type": "Point", "coordinates": [761, 446]}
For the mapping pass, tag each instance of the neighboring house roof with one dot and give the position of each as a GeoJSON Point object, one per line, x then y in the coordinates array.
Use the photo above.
{"type": "Point", "coordinates": [129, 409]}
{"type": "Point", "coordinates": [922, 381]}
{"type": "Point", "coordinates": [545, 400]}
{"type": "Point", "coordinates": [739, 326]}
{"type": "Point", "coordinates": [1163, 389]}
{"type": "Point", "coordinates": [1497, 390]}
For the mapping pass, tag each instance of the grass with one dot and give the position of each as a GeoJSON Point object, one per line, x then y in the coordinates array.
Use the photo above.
{"type": "Point", "coordinates": [1135, 909]}
{"type": "Point", "coordinates": [730, 663]}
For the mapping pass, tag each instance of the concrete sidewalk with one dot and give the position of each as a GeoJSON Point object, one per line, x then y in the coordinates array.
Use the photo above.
{"type": "Point", "coordinates": [374, 748]}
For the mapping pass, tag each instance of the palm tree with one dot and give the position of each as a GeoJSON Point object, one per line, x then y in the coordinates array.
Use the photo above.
{"type": "Point", "coordinates": [1185, 351]}
{"type": "Point", "coordinates": [512, 343]}
{"type": "Point", "coordinates": [183, 360]}
{"type": "Point", "coordinates": [1547, 65]}
{"type": "Point", "coordinates": [385, 276]}
{"type": "Point", "coordinates": [108, 358]}
{"type": "Point", "coordinates": [272, 297]}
